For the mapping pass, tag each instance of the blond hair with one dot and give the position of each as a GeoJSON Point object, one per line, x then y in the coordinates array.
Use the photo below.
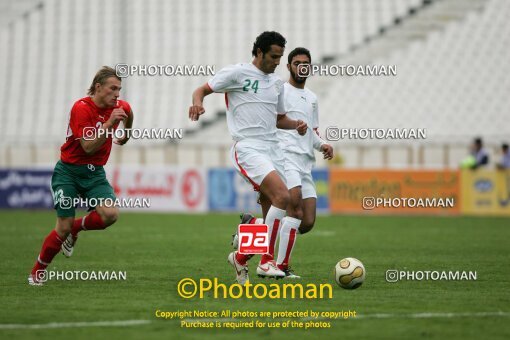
{"type": "Point", "coordinates": [101, 76]}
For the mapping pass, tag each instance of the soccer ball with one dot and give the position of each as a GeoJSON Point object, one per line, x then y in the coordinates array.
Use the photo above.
{"type": "Point", "coordinates": [349, 273]}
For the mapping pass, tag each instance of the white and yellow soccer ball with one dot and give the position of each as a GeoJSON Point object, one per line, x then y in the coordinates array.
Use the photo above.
{"type": "Point", "coordinates": [349, 273]}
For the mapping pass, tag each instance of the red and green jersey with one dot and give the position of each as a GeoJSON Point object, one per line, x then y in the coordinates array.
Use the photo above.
{"type": "Point", "coordinates": [85, 116]}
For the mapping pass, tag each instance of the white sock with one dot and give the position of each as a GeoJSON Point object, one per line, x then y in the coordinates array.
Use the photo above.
{"type": "Point", "coordinates": [287, 240]}
{"type": "Point", "coordinates": [273, 220]}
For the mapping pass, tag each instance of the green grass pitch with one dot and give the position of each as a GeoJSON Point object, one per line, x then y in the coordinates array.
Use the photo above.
{"type": "Point", "coordinates": [157, 250]}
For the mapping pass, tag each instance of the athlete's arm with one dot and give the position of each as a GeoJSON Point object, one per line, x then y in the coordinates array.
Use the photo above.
{"type": "Point", "coordinates": [285, 123]}
{"type": "Point", "coordinates": [317, 140]}
{"type": "Point", "coordinates": [197, 109]}
{"type": "Point", "coordinates": [320, 145]}
{"type": "Point", "coordinates": [128, 124]}
{"type": "Point", "coordinates": [92, 145]}
{"type": "Point", "coordinates": [327, 151]}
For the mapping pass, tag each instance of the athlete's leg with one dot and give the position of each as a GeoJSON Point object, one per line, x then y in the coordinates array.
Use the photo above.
{"type": "Point", "coordinates": [256, 165]}
{"type": "Point", "coordinates": [64, 192]}
{"type": "Point", "coordinates": [275, 190]}
{"type": "Point", "coordinates": [265, 204]}
{"type": "Point", "coordinates": [105, 213]}
{"type": "Point", "coordinates": [63, 226]}
{"type": "Point", "coordinates": [289, 229]}
{"type": "Point", "coordinates": [98, 219]}
{"type": "Point", "coordinates": [309, 206]}
{"type": "Point", "coordinates": [295, 208]}
{"type": "Point", "coordinates": [302, 209]}
{"type": "Point", "coordinates": [309, 203]}
{"type": "Point", "coordinates": [102, 216]}
{"type": "Point", "coordinates": [50, 248]}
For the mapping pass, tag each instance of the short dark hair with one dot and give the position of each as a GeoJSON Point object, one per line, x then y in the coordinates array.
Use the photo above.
{"type": "Point", "coordinates": [265, 40]}
{"type": "Point", "coordinates": [478, 141]}
{"type": "Point", "coordinates": [101, 76]}
{"type": "Point", "coordinates": [299, 51]}
{"type": "Point", "coordinates": [504, 146]}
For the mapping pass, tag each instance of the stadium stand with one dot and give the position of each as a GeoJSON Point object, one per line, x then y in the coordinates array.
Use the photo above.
{"type": "Point", "coordinates": [449, 56]}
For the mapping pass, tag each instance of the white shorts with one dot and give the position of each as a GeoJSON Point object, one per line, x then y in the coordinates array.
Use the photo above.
{"type": "Point", "coordinates": [254, 161]}
{"type": "Point", "coordinates": [298, 172]}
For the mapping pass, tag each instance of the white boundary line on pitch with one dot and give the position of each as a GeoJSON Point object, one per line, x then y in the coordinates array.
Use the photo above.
{"type": "Point", "coordinates": [124, 323]}
{"type": "Point", "coordinates": [366, 316]}
{"type": "Point", "coordinates": [432, 315]}
{"type": "Point", "coordinates": [119, 323]}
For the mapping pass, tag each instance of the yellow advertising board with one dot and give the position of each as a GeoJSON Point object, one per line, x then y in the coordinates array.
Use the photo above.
{"type": "Point", "coordinates": [485, 192]}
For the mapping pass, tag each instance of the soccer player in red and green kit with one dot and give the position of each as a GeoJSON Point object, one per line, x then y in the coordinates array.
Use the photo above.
{"type": "Point", "coordinates": [80, 173]}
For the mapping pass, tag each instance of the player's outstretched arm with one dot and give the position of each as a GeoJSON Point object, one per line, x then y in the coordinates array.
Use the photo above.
{"type": "Point", "coordinates": [285, 123]}
{"type": "Point", "coordinates": [128, 124]}
{"type": "Point", "coordinates": [197, 108]}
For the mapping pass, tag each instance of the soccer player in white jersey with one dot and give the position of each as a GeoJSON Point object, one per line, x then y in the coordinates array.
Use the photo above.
{"type": "Point", "coordinates": [300, 104]}
{"type": "Point", "coordinates": [254, 98]}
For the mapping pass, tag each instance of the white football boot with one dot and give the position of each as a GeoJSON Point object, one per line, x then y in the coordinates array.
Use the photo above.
{"type": "Point", "coordinates": [241, 271]}
{"type": "Point", "coordinates": [269, 269]}
{"type": "Point", "coordinates": [33, 280]}
{"type": "Point", "coordinates": [68, 245]}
